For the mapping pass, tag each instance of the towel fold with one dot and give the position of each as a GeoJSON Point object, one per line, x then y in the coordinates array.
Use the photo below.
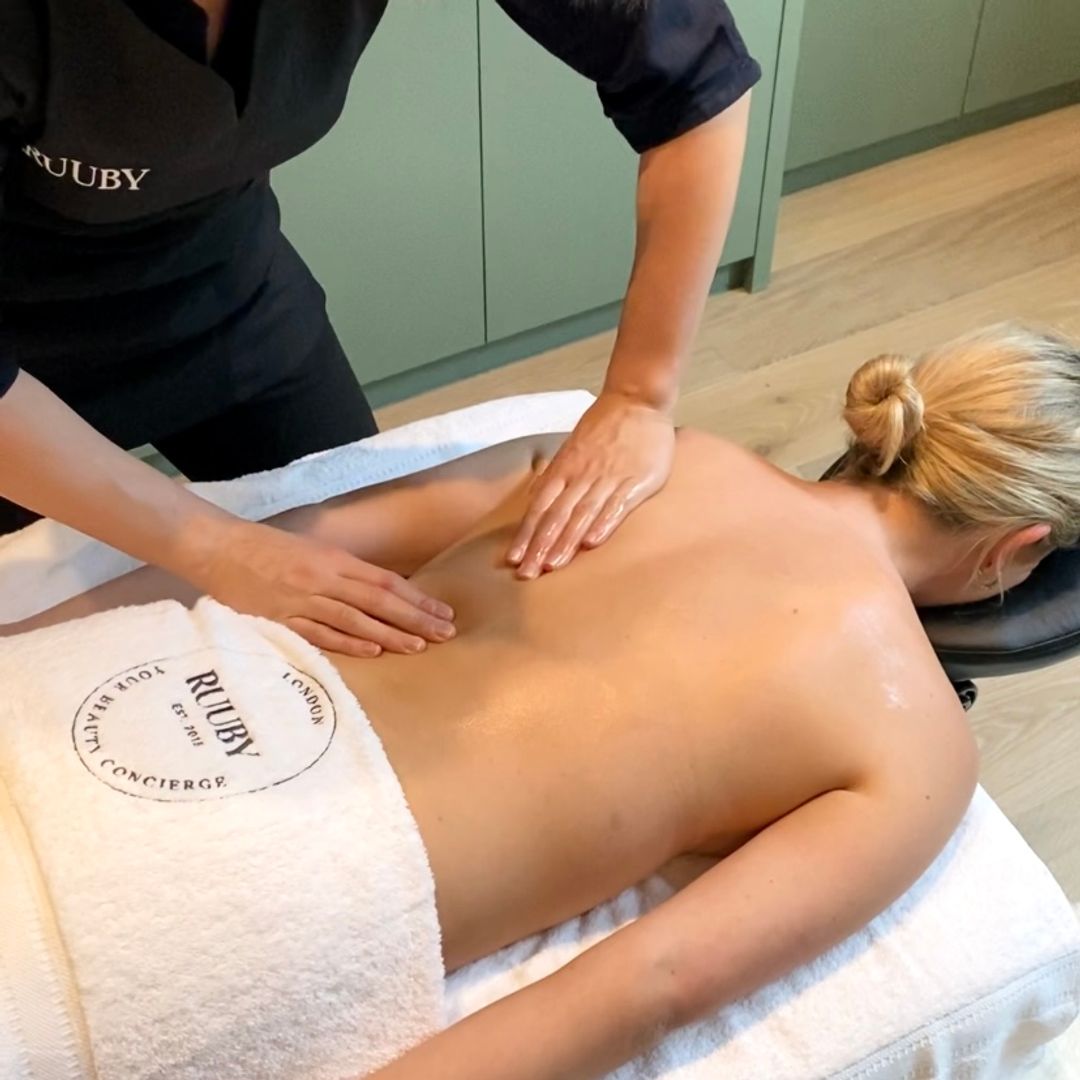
{"type": "Point", "coordinates": [238, 883]}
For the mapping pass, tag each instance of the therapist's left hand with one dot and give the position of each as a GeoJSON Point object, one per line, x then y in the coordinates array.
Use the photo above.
{"type": "Point", "coordinates": [619, 455]}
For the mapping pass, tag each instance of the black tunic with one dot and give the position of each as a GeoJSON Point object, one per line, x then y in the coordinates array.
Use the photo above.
{"type": "Point", "coordinates": [139, 237]}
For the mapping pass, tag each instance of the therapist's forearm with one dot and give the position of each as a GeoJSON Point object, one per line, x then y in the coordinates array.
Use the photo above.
{"type": "Point", "coordinates": [685, 199]}
{"type": "Point", "coordinates": [54, 463]}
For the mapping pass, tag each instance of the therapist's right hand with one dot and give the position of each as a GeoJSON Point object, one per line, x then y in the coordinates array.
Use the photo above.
{"type": "Point", "coordinates": [333, 599]}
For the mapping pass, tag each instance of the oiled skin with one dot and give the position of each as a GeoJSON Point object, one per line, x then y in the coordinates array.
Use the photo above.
{"type": "Point", "coordinates": [670, 693]}
{"type": "Point", "coordinates": [730, 654]}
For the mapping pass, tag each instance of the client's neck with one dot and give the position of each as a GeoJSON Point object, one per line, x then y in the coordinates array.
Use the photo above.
{"type": "Point", "coordinates": [922, 550]}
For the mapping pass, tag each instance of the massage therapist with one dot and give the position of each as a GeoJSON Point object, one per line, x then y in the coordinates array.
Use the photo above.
{"type": "Point", "coordinates": [147, 294]}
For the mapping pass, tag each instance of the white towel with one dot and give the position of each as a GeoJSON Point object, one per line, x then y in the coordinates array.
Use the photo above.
{"type": "Point", "coordinates": [1061, 1058]}
{"type": "Point", "coordinates": [230, 861]}
{"type": "Point", "coordinates": [965, 977]}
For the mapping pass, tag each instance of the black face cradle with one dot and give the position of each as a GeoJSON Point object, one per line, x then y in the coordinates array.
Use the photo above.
{"type": "Point", "coordinates": [1033, 625]}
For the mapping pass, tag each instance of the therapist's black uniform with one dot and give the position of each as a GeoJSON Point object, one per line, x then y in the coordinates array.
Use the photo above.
{"type": "Point", "coordinates": [143, 274]}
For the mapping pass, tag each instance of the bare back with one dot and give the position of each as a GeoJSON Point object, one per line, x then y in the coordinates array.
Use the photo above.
{"type": "Point", "coordinates": [731, 654]}
{"type": "Point", "coordinates": [675, 692]}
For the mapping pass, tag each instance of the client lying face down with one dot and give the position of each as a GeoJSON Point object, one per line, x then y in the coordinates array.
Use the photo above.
{"type": "Point", "coordinates": [739, 673]}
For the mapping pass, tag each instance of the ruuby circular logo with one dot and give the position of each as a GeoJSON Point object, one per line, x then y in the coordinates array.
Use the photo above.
{"type": "Point", "coordinates": [206, 725]}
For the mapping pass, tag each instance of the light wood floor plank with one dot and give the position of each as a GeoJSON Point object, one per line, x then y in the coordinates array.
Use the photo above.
{"type": "Point", "coordinates": [960, 176]}
{"type": "Point", "coordinates": [790, 410]}
{"type": "Point", "coordinates": [904, 271]}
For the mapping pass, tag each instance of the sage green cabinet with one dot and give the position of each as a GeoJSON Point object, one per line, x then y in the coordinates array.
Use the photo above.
{"type": "Point", "coordinates": [386, 209]}
{"type": "Point", "coordinates": [872, 69]}
{"type": "Point", "coordinates": [559, 179]}
{"type": "Point", "coordinates": [1024, 46]}
{"type": "Point", "coordinates": [473, 188]}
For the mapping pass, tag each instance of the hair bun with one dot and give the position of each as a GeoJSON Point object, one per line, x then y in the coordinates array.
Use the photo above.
{"type": "Point", "coordinates": [884, 409]}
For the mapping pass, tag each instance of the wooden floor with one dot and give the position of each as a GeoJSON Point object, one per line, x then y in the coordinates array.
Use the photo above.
{"type": "Point", "coordinates": [895, 259]}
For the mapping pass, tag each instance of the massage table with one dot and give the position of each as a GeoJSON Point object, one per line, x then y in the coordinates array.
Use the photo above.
{"type": "Point", "coordinates": [966, 976]}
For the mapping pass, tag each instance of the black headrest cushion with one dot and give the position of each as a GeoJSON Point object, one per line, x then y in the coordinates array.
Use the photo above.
{"type": "Point", "coordinates": [1035, 624]}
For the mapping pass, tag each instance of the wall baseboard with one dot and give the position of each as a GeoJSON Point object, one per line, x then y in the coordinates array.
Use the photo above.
{"type": "Point", "coordinates": [915, 142]}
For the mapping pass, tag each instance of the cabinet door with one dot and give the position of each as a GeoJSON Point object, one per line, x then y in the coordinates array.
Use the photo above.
{"type": "Point", "coordinates": [559, 180]}
{"type": "Point", "coordinates": [1024, 46]}
{"type": "Point", "coordinates": [386, 209]}
{"type": "Point", "coordinates": [872, 69]}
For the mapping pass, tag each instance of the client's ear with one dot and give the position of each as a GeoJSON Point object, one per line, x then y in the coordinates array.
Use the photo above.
{"type": "Point", "coordinates": [1025, 547]}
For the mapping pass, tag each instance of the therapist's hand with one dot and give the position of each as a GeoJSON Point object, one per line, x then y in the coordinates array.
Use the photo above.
{"type": "Point", "coordinates": [619, 455]}
{"type": "Point", "coordinates": [333, 599]}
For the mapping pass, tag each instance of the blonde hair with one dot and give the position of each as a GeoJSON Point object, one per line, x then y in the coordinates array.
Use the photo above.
{"type": "Point", "coordinates": [984, 431]}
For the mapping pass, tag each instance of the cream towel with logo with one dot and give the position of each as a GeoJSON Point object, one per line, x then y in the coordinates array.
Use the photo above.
{"type": "Point", "coordinates": [233, 872]}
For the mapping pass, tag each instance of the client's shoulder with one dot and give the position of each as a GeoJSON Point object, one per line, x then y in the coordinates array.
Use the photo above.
{"type": "Point", "coordinates": [696, 444]}
{"type": "Point", "coordinates": [701, 457]}
{"type": "Point", "coordinates": [880, 681]}
{"type": "Point", "coordinates": [856, 700]}
{"type": "Point", "coordinates": [876, 636]}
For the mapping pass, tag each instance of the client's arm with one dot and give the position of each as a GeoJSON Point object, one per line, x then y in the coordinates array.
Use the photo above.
{"type": "Point", "coordinates": [800, 886]}
{"type": "Point", "coordinates": [399, 525]}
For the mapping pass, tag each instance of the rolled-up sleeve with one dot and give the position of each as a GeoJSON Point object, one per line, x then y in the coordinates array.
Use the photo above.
{"type": "Point", "coordinates": [661, 67]}
{"type": "Point", "coordinates": [21, 76]}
